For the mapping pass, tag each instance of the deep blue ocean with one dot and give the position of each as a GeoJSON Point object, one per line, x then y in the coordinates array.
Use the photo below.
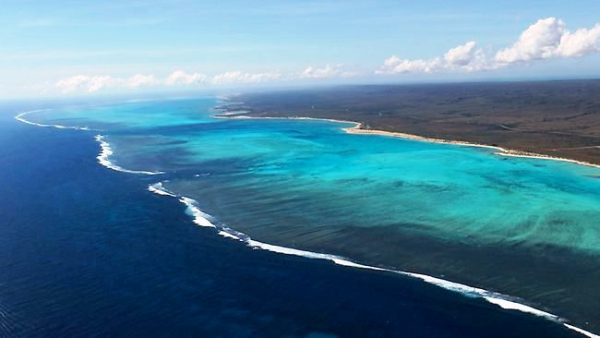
{"type": "Point", "coordinates": [86, 251]}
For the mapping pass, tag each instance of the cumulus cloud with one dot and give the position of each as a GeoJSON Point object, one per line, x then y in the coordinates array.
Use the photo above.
{"type": "Point", "coordinates": [547, 38]}
{"type": "Point", "coordinates": [139, 80]}
{"type": "Point", "coordinates": [461, 55]}
{"type": "Point", "coordinates": [539, 41]}
{"type": "Point", "coordinates": [461, 58]}
{"type": "Point", "coordinates": [395, 65]}
{"type": "Point", "coordinates": [328, 71]}
{"type": "Point", "coordinates": [180, 77]}
{"type": "Point", "coordinates": [91, 83]}
{"type": "Point", "coordinates": [581, 42]}
{"type": "Point", "coordinates": [241, 77]}
{"type": "Point", "coordinates": [94, 83]}
{"type": "Point", "coordinates": [84, 83]}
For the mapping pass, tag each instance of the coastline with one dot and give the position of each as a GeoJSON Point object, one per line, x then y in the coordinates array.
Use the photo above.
{"type": "Point", "coordinates": [359, 130]}
{"type": "Point", "coordinates": [202, 219]}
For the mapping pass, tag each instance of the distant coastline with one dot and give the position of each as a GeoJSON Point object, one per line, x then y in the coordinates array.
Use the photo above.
{"type": "Point", "coordinates": [358, 129]}
{"type": "Point", "coordinates": [543, 120]}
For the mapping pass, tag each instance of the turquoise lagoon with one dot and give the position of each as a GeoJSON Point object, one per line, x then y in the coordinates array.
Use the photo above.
{"type": "Point", "coordinates": [524, 227]}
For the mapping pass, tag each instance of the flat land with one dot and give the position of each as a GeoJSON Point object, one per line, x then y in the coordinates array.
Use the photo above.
{"type": "Point", "coordinates": [554, 118]}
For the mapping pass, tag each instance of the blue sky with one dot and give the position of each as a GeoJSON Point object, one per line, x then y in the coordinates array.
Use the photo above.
{"type": "Point", "coordinates": [84, 48]}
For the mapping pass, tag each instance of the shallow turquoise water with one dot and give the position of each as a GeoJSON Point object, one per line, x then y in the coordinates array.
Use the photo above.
{"type": "Point", "coordinates": [322, 176]}
{"type": "Point", "coordinates": [524, 227]}
{"type": "Point", "coordinates": [88, 252]}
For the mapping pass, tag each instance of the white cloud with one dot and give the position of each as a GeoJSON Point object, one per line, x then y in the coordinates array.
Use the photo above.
{"type": "Point", "coordinates": [581, 42]}
{"type": "Point", "coordinates": [83, 82]}
{"type": "Point", "coordinates": [395, 65]}
{"type": "Point", "coordinates": [461, 58]}
{"type": "Point", "coordinates": [545, 39]}
{"type": "Point", "coordinates": [539, 41]}
{"type": "Point", "coordinates": [91, 83]}
{"type": "Point", "coordinates": [328, 71]}
{"type": "Point", "coordinates": [461, 55]}
{"type": "Point", "coordinates": [238, 77]}
{"type": "Point", "coordinates": [318, 73]}
{"type": "Point", "coordinates": [549, 38]}
{"type": "Point", "coordinates": [180, 77]}
{"type": "Point", "coordinates": [140, 80]}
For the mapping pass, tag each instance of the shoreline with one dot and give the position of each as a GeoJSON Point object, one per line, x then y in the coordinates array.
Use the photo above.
{"type": "Point", "coordinates": [202, 219]}
{"type": "Point", "coordinates": [358, 129]}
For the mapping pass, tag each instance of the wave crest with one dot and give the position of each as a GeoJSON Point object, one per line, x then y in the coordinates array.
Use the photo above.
{"type": "Point", "coordinates": [106, 151]}
{"type": "Point", "coordinates": [20, 118]}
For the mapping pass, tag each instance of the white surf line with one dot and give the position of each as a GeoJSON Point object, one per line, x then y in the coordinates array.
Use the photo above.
{"type": "Point", "coordinates": [20, 118]}
{"type": "Point", "coordinates": [200, 218]}
{"type": "Point", "coordinates": [506, 302]}
{"type": "Point", "coordinates": [583, 332]}
{"type": "Point", "coordinates": [106, 151]}
{"type": "Point", "coordinates": [158, 188]}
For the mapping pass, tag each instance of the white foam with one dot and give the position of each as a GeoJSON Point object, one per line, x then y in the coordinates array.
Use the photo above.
{"type": "Point", "coordinates": [200, 218]}
{"type": "Point", "coordinates": [495, 298]}
{"type": "Point", "coordinates": [583, 332]}
{"type": "Point", "coordinates": [503, 301]}
{"type": "Point", "coordinates": [158, 188]}
{"type": "Point", "coordinates": [229, 235]}
{"type": "Point", "coordinates": [106, 152]}
{"type": "Point", "coordinates": [289, 251]}
{"type": "Point", "coordinates": [20, 118]}
{"type": "Point", "coordinates": [510, 305]}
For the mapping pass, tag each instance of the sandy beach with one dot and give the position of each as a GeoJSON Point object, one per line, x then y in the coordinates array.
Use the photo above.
{"type": "Point", "coordinates": [358, 129]}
